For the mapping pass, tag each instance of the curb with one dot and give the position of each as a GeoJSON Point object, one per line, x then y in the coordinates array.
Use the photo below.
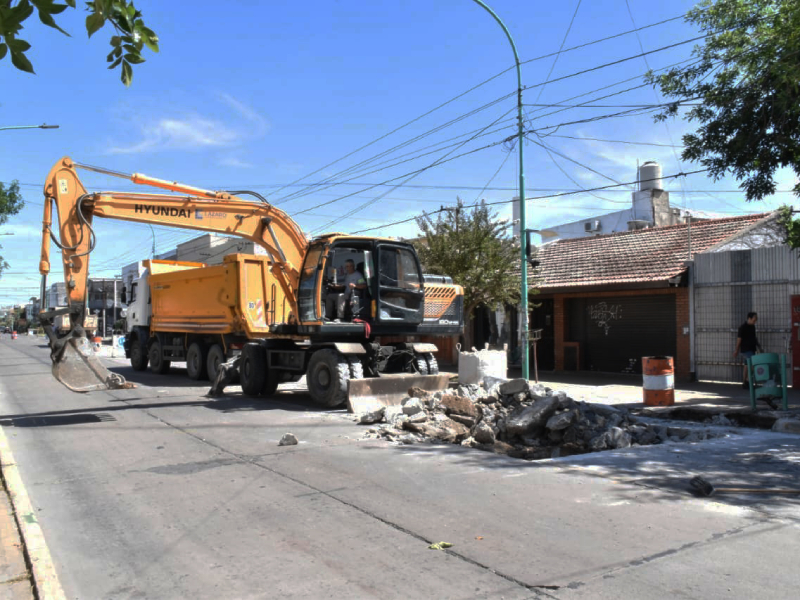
{"type": "Point", "coordinates": [43, 570]}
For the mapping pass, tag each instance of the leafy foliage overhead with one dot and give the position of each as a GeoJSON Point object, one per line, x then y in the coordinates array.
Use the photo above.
{"type": "Point", "coordinates": [747, 81]}
{"type": "Point", "coordinates": [131, 34]}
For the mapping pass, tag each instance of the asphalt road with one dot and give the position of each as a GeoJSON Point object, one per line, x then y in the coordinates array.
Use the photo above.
{"type": "Point", "coordinates": [158, 492]}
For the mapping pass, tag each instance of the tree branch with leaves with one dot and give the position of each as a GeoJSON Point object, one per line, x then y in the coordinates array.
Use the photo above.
{"type": "Point", "coordinates": [472, 246]}
{"type": "Point", "coordinates": [747, 80]}
{"type": "Point", "coordinates": [130, 39]}
{"type": "Point", "coordinates": [11, 202]}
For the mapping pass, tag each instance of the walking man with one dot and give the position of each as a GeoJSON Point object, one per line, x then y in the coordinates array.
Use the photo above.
{"type": "Point", "coordinates": [747, 342]}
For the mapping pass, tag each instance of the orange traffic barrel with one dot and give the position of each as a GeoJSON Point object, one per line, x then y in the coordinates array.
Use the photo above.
{"type": "Point", "coordinates": [659, 380]}
{"type": "Point", "coordinates": [13, 335]}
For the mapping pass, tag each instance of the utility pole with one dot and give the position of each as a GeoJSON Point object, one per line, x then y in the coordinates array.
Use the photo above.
{"type": "Point", "coordinates": [105, 310]}
{"type": "Point", "coordinates": [522, 222]}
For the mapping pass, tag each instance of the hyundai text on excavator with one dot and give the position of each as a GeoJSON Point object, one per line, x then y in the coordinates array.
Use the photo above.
{"type": "Point", "coordinates": [285, 314]}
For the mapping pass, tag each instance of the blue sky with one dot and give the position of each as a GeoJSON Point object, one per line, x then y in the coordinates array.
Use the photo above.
{"type": "Point", "coordinates": [257, 95]}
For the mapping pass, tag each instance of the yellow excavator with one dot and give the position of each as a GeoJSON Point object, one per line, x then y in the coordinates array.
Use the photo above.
{"type": "Point", "coordinates": [300, 310]}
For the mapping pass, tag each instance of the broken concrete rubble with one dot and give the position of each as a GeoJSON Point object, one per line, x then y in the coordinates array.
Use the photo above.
{"type": "Point", "coordinates": [521, 419]}
{"type": "Point", "coordinates": [373, 415]}
{"type": "Point", "coordinates": [288, 439]}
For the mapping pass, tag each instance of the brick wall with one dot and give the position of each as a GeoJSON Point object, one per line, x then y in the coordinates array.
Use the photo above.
{"type": "Point", "coordinates": [682, 370]}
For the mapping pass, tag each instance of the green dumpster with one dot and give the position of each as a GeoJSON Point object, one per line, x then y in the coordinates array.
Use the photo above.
{"type": "Point", "coordinates": [767, 376]}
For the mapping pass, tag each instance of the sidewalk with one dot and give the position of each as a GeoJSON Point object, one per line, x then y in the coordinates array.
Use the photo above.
{"type": "Point", "coordinates": [692, 400]}
{"type": "Point", "coordinates": [15, 580]}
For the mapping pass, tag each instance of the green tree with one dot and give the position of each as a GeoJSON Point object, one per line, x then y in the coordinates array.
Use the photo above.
{"type": "Point", "coordinates": [473, 247]}
{"type": "Point", "coordinates": [11, 202]}
{"type": "Point", "coordinates": [129, 39]}
{"type": "Point", "coordinates": [746, 82]}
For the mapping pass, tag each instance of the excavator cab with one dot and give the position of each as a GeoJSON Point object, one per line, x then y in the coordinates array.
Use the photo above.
{"type": "Point", "coordinates": [360, 279]}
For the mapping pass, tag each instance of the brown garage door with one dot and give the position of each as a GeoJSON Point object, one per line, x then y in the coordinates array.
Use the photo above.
{"type": "Point", "coordinates": [615, 333]}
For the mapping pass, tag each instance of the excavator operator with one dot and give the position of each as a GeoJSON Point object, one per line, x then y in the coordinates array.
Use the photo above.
{"type": "Point", "coordinates": [341, 296]}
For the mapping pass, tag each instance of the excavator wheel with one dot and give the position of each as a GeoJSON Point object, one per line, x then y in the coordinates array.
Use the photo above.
{"type": "Point", "coordinates": [196, 362]}
{"type": "Point", "coordinates": [157, 362]}
{"type": "Point", "coordinates": [433, 364]}
{"type": "Point", "coordinates": [252, 369]}
{"type": "Point", "coordinates": [420, 364]}
{"type": "Point", "coordinates": [139, 358]}
{"type": "Point", "coordinates": [356, 369]}
{"type": "Point", "coordinates": [327, 377]}
{"type": "Point", "coordinates": [216, 356]}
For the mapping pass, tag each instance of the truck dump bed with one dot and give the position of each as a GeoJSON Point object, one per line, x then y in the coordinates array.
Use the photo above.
{"type": "Point", "coordinates": [238, 296]}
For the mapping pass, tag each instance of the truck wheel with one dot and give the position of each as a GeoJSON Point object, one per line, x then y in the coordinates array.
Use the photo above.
{"type": "Point", "coordinates": [252, 369]}
{"type": "Point", "coordinates": [157, 362]}
{"type": "Point", "coordinates": [433, 364]}
{"type": "Point", "coordinates": [196, 362]}
{"type": "Point", "coordinates": [271, 382]}
{"type": "Point", "coordinates": [216, 356]}
{"type": "Point", "coordinates": [328, 373]}
{"type": "Point", "coordinates": [138, 356]}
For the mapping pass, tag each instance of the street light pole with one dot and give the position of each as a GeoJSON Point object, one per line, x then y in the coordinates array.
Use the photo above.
{"type": "Point", "coordinates": [523, 242]}
{"type": "Point", "coordinates": [42, 126]}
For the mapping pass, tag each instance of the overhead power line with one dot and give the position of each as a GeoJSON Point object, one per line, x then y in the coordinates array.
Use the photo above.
{"type": "Point", "coordinates": [558, 195]}
{"type": "Point", "coordinates": [473, 88]}
{"type": "Point", "coordinates": [591, 139]}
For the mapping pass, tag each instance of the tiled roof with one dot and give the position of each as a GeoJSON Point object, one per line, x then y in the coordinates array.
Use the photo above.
{"type": "Point", "coordinates": [644, 255]}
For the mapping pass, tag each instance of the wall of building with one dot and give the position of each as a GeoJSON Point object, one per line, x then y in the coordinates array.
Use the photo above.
{"type": "Point", "coordinates": [682, 354]}
{"type": "Point", "coordinates": [728, 285]}
{"type": "Point", "coordinates": [57, 295]}
{"type": "Point", "coordinates": [211, 249]}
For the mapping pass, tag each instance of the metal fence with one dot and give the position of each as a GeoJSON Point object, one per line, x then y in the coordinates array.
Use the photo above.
{"type": "Point", "coordinates": [728, 285]}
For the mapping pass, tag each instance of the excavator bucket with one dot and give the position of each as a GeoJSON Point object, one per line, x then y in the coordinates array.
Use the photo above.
{"type": "Point", "coordinates": [77, 367]}
{"type": "Point", "coordinates": [389, 390]}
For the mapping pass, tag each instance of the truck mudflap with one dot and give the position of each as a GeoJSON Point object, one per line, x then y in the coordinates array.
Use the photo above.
{"type": "Point", "coordinates": [76, 366]}
{"type": "Point", "coordinates": [389, 390]}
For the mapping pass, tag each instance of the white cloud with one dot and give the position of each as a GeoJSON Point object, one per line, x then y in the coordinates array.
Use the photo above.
{"type": "Point", "coordinates": [232, 161]}
{"type": "Point", "coordinates": [246, 112]}
{"type": "Point", "coordinates": [181, 131]}
{"type": "Point", "coordinates": [181, 134]}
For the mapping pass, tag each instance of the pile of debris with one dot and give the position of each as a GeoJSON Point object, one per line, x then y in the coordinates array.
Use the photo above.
{"type": "Point", "coordinates": [519, 418]}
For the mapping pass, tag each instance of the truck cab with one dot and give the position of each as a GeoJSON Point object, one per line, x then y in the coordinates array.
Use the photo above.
{"type": "Point", "coordinates": [139, 306]}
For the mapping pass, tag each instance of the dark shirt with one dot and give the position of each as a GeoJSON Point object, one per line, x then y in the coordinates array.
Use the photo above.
{"type": "Point", "coordinates": [747, 333]}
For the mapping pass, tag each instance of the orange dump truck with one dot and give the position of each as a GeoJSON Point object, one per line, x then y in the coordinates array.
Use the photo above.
{"type": "Point", "coordinates": [203, 315]}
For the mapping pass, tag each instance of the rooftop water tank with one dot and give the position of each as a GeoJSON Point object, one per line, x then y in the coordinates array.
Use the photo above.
{"type": "Point", "coordinates": [650, 176]}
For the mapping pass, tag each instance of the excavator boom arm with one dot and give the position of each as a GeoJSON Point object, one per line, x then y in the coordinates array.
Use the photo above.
{"type": "Point", "coordinates": [202, 210]}
{"type": "Point", "coordinates": [74, 363]}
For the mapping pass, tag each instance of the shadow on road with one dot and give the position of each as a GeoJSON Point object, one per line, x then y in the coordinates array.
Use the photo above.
{"type": "Point", "coordinates": [55, 420]}
{"type": "Point", "coordinates": [664, 470]}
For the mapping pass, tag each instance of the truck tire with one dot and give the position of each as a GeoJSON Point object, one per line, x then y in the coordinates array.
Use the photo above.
{"type": "Point", "coordinates": [252, 369]}
{"type": "Point", "coordinates": [271, 382]}
{"type": "Point", "coordinates": [139, 357]}
{"type": "Point", "coordinates": [157, 362]}
{"type": "Point", "coordinates": [216, 356]}
{"type": "Point", "coordinates": [433, 364]}
{"type": "Point", "coordinates": [328, 373]}
{"type": "Point", "coordinates": [196, 362]}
